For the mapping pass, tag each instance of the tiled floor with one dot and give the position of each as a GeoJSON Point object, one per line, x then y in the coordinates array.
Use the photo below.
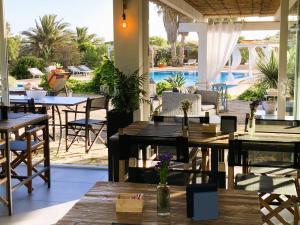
{"type": "Point", "coordinates": [45, 206]}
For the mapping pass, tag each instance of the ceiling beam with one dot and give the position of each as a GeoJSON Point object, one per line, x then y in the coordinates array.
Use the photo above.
{"type": "Point", "coordinates": [247, 26]}
{"type": "Point", "coordinates": [270, 25]}
{"type": "Point", "coordinates": [184, 8]}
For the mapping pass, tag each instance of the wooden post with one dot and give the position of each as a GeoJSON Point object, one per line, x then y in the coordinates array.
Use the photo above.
{"type": "Point", "coordinates": [282, 69]}
{"type": "Point", "coordinates": [3, 56]}
{"type": "Point", "coordinates": [230, 185]}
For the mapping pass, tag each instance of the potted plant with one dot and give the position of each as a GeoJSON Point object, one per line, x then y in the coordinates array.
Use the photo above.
{"type": "Point", "coordinates": [269, 69]}
{"type": "Point", "coordinates": [176, 82]}
{"type": "Point", "coordinates": [270, 105]}
{"type": "Point", "coordinates": [126, 93]}
{"type": "Point", "coordinates": [161, 63]}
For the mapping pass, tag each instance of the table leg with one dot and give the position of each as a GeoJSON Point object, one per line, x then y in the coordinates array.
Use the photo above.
{"type": "Point", "coordinates": [53, 122]}
{"type": "Point", "coordinates": [230, 177]}
{"type": "Point", "coordinates": [8, 174]}
{"type": "Point", "coordinates": [47, 152]}
{"type": "Point", "coordinates": [121, 170]}
{"type": "Point", "coordinates": [60, 128]}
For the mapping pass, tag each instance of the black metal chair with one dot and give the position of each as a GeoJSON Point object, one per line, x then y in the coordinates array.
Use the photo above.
{"type": "Point", "coordinates": [86, 124]}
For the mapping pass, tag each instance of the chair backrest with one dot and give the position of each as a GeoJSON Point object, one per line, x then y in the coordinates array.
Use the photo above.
{"type": "Point", "coordinates": [278, 207]}
{"type": "Point", "coordinates": [177, 119]}
{"type": "Point", "coordinates": [94, 104]}
{"type": "Point", "coordinates": [171, 103]}
{"type": "Point", "coordinates": [209, 97]}
{"type": "Point", "coordinates": [32, 108]}
{"type": "Point", "coordinates": [275, 126]}
{"type": "Point", "coordinates": [264, 153]}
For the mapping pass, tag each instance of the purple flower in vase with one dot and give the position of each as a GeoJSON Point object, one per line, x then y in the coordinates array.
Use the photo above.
{"type": "Point", "coordinates": [163, 165]}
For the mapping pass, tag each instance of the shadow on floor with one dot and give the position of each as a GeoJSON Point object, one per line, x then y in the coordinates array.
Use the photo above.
{"type": "Point", "coordinates": [46, 206]}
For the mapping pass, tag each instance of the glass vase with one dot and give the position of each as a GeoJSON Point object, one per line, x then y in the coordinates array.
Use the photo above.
{"type": "Point", "coordinates": [163, 200]}
{"type": "Point", "coordinates": [251, 126]}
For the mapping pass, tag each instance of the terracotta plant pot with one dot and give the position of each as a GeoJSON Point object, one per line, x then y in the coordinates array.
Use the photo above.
{"type": "Point", "coordinates": [269, 106]}
{"type": "Point", "coordinates": [161, 65]}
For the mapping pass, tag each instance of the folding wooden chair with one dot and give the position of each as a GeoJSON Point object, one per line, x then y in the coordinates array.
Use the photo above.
{"type": "Point", "coordinates": [22, 150]}
{"type": "Point", "coordinates": [86, 124]}
{"type": "Point", "coordinates": [277, 207]}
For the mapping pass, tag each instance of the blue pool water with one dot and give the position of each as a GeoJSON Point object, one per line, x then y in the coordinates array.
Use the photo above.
{"type": "Point", "coordinates": [191, 77]}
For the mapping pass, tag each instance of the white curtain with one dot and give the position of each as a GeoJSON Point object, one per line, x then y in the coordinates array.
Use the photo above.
{"type": "Point", "coordinates": [221, 41]}
{"type": "Point", "coordinates": [236, 58]}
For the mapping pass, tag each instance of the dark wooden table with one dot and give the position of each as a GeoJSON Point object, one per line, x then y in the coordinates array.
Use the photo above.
{"type": "Point", "coordinates": [164, 134]}
{"type": "Point", "coordinates": [98, 207]}
{"type": "Point", "coordinates": [14, 122]}
{"type": "Point", "coordinates": [54, 102]}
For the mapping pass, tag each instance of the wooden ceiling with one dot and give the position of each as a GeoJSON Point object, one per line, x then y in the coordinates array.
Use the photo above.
{"type": "Point", "coordinates": [229, 8]}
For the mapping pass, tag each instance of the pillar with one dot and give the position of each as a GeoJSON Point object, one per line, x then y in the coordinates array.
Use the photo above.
{"type": "Point", "coordinates": [3, 56]}
{"type": "Point", "coordinates": [202, 56]}
{"type": "Point", "coordinates": [297, 74]}
{"type": "Point", "coordinates": [131, 43]}
{"type": "Point", "coordinates": [282, 69]}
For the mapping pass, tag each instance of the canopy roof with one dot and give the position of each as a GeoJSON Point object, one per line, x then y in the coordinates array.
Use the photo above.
{"type": "Point", "coordinates": [211, 8]}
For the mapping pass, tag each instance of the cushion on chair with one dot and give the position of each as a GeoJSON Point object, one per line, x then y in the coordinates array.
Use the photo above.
{"type": "Point", "coordinates": [81, 122]}
{"type": "Point", "coordinates": [18, 145]}
{"type": "Point", "coordinates": [207, 107]}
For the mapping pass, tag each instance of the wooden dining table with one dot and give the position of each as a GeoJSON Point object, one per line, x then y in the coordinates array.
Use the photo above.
{"type": "Point", "coordinates": [236, 207]}
{"type": "Point", "coordinates": [164, 134]}
{"type": "Point", "coordinates": [15, 122]}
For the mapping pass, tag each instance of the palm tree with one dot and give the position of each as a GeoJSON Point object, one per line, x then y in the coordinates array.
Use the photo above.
{"type": "Point", "coordinates": [82, 38]}
{"type": "Point", "coordinates": [48, 33]}
{"type": "Point", "coordinates": [170, 19]}
{"type": "Point", "coordinates": [182, 19]}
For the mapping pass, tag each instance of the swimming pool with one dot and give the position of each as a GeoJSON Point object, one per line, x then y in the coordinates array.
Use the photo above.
{"type": "Point", "coordinates": [191, 77]}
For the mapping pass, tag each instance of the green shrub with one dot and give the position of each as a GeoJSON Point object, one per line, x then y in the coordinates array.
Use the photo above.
{"type": "Point", "coordinates": [80, 86]}
{"type": "Point", "coordinates": [20, 69]}
{"type": "Point", "coordinates": [104, 75]}
{"type": "Point", "coordinates": [255, 92]}
{"type": "Point", "coordinates": [162, 86]}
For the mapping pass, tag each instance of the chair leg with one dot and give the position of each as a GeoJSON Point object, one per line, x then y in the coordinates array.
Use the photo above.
{"type": "Point", "coordinates": [97, 135]}
{"type": "Point", "coordinates": [86, 132]}
{"type": "Point", "coordinates": [29, 163]}
{"type": "Point", "coordinates": [66, 136]}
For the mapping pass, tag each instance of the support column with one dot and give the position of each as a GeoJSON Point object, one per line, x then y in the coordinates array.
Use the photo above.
{"type": "Point", "coordinates": [3, 56]}
{"type": "Point", "coordinates": [282, 70]}
{"type": "Point", "coordinates": [202, 57]}
{"type": "Point", "coordinates": [297, 74]}
{"type": "Point", "coordinates": [131, 43]}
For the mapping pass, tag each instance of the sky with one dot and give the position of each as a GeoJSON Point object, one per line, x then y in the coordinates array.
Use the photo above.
{"type": "Point", "coordinates": [97, 15]}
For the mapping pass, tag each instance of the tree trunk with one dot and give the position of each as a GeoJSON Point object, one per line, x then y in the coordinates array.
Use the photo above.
{"type": "Point", "coordinates": [174, 54]}
{"type": "Point", "coordinates": [181, 51]}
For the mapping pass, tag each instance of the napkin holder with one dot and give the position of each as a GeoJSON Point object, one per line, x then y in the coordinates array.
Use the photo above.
{"type": "Point", "coordinates": [130, 202]}
{"type": "Point", "coordinates": [202, 202]}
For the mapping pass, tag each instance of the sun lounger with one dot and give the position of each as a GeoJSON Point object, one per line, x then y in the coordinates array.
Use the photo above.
{"type": "Point", "coordinates": [35, 72]}
{"type": "Point", "coordinates": [191, 62]}
{"type": "Point", "coordinates": [74, 70]}
{"type": "Point", "coordinates": [50, 68]}
{"type": "Point", "coordinates": [84, 69]}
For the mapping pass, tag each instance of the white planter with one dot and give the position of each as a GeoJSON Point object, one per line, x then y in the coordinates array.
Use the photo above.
{"type": "Point", "coordinates": [269, 106]}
